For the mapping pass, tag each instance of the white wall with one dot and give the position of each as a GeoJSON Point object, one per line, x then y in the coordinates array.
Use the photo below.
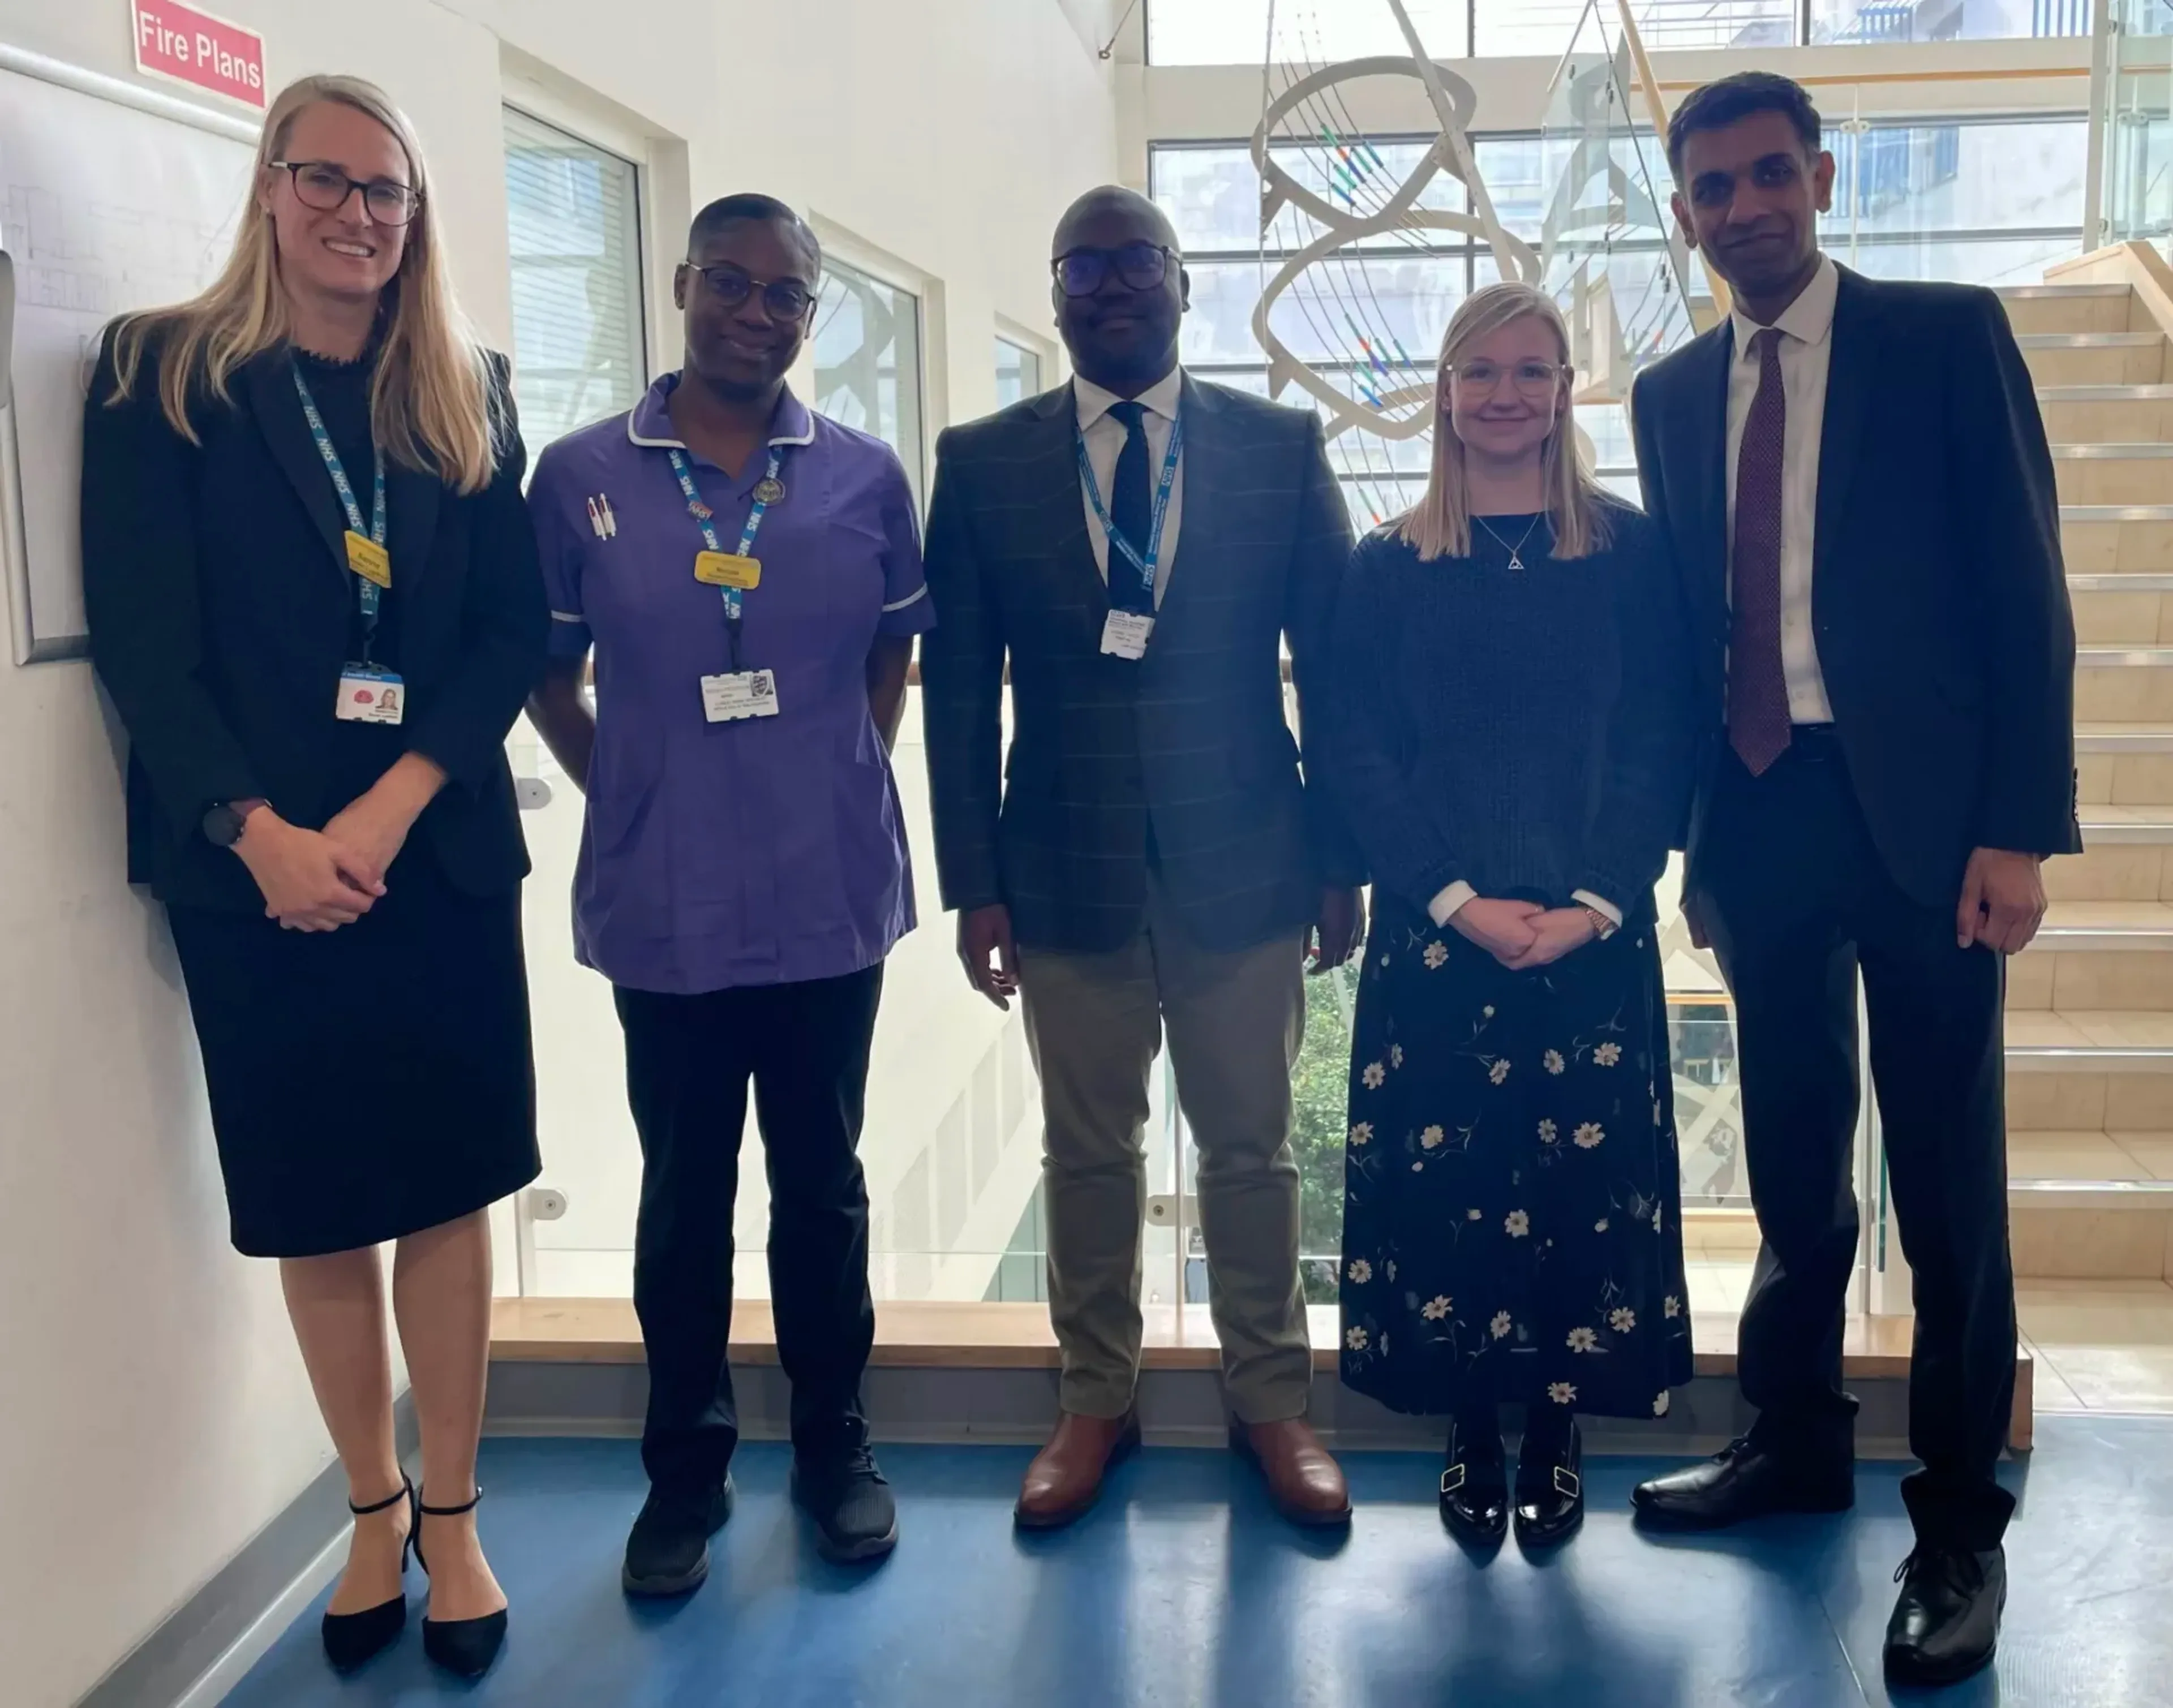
{"type": "Point", "coordinates": [152, 1414]}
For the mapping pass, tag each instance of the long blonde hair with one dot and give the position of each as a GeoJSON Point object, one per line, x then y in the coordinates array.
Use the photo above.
{"type": "Point", "coordinates": [433, 404]}
{"type": "Point", "coordinates": [1440, 523]}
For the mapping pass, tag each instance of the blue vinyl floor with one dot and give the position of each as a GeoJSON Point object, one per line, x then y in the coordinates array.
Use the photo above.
{"type": "Point", "coordinates": [1184, 1591]}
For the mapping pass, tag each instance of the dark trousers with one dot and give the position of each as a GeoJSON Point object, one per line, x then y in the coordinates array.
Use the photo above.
{"type": "Point", "coordinates": [1797, 901]}
{"type": "Point", "coordinates": [689, 1061]}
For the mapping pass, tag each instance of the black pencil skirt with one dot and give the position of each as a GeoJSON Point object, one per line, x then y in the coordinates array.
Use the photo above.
{"type": "Point", "coordinates": [368, 1082]}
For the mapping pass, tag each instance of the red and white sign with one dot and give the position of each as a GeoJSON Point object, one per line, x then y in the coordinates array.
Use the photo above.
{"type": "Point", "coordinates": [196, 48]}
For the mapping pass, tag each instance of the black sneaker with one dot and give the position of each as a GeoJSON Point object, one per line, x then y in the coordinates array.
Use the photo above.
{"type": "Point", "coordinates": [855, 1518]}
{"type": "Point", "coordinates": [667, 1551]}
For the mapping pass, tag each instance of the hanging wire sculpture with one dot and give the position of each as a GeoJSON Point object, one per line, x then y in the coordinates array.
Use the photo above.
{"type": "Point", "coordinates": [1340, 210]}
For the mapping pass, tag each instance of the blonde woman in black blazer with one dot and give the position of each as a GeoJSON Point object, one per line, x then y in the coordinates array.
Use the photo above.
{"type": "Point", "coordinates": [344, 891]}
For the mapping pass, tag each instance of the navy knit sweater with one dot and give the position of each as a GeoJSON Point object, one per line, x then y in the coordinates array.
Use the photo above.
{"type": "Point", "coordinates": [1526, 731]}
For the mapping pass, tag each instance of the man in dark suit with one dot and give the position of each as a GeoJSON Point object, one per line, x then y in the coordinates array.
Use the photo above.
{"type": "Point", "coordinates": [1139, 545]}
{"type": "Point", "coordinates": [1855, 479]}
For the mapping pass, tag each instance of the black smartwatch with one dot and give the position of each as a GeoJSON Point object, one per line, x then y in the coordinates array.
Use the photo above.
{"type": "Point", "coordinates": [223, 825]}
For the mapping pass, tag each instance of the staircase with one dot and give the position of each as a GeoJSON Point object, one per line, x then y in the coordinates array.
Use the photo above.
{"type": "Point", "coordinates": [2090, 1038]}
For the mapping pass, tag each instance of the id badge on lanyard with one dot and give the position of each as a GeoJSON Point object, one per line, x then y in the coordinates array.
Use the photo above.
{"type": "Point", "coordinates": [738, 693]}
{"type": "Point", "coordinates": [368, 694]}
{"type": "Point", "coordinates": [1126, 634]}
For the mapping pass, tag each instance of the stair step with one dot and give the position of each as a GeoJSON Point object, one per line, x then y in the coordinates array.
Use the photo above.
{"type": "Point", "coordinates": [2089, 1170]}
{"type": "Point", "coordinates": [2039, 292]}
{"type": "Point", "coordinates": [2101, 657]}
{"type": "Point", "coordinates": [2116, 581]}
{"type": "Point", "coordinates": [2105, 928]}
{"type": "Point", "coordinates": [2073, 513]}
{"type": "Point", "coordinates": [2090, 1154]}
{"type": "Point", "coordinates": [2113, 450]}
{"type": "Point", "coordinates": [2104, 826]}
{"type": "Point", "coordinates": [2093, 737]}
{"type": "Point", "coordinates": [2061, 1040]}
{"type": "Point", "coordinates": [2088, 341]}
{"type": "Point", "coordinates": [2154, 392]}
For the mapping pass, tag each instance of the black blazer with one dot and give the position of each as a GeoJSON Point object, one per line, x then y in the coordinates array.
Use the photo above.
{"type": "Point", "coordinates": [220, 602]}
{"type": "Point", "coordinates": [1939, 601]}
{"type": "Point", "coordinates": [1192, 737]}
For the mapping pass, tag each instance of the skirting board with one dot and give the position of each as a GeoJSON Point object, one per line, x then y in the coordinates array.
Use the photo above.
{"type": "Point", "coordinates": [1178, 1407]}
{"type": "Point", "coordinates": [201, 1650]}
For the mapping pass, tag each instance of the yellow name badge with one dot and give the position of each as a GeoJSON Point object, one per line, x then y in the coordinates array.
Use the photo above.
{"type": "Point", "coordinates": [727, 570]}
{"type": "Point", "coordinates": [369, 559]}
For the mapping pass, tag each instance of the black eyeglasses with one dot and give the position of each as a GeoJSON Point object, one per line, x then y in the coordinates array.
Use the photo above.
{"type": "Point", "coordinates": [324, 186]}
{"type": "Point", "coordinates": [785, 298]}
{"type": "Point", "coordinates": [1141, 266]}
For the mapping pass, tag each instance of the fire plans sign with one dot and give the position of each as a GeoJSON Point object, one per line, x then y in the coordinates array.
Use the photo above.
{"type": "Point", "coordinates": [194, 47]}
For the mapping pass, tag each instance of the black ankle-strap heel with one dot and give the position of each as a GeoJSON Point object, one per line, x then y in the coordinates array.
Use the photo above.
{"type": "Point", "coordinates": [351, 1639]}
{"type": "Point", "coordinates": [463, 1646]}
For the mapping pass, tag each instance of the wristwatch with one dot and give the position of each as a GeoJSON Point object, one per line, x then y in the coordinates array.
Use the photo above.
{"type": "Point", "coordinates": [1603, 928]}
{"type": "Point", "coordinates": [223, 825]}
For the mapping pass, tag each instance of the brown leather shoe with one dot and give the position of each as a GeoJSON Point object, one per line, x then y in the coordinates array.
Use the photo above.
{"type": "Point", "coordinates": [1304, 1481]}
{"type": "Point", "coordinates": [1066, 1477]}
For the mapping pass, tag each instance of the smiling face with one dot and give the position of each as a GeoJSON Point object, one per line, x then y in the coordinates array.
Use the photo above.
{"type": "Point", "coordinates": [743, 348]}
{"type": "Point", "coordinates": [1750, 197]}
{"type": "Point", "coordinates": [341, 253]}
{"type": "Point", "coordinates": [1505, 412]}
{"type": "Point", "coordinates": [1122, 334]}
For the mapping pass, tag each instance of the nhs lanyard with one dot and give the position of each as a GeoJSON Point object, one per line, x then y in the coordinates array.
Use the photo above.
{"type": "Point", "coordinates": [371, 595]}
{"type": "Point", "coordinates": [1118, 543]}
{"type": "Point", "coordinates": [702, 515]}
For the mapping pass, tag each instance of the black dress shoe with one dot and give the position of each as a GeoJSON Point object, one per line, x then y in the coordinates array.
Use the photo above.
{"type": "Point", "coordinates": [462, 1646]}
{"type": "Point", "coordinates": [1746, 1480]}
{"type": "Point", "coordinates": [351, 1639]}
{"type": "Point", "coordinates": [855, 1516]}
{"type": "Point", "coordinates": [1474, 1484]}
{"type": "Point", "coordinates": [1550, 1485]}
{"type": "Point", "coordinates": [1946, 1625]}
{"type": "Point", "coordinates": [667, 1551]}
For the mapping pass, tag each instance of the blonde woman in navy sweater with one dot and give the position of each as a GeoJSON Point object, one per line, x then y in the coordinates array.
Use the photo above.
{"type": "Point", "coordinates": [1511, 742]}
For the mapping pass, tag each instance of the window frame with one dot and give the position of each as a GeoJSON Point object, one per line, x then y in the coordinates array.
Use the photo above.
{"type": "Point", "coordinates": [848, 257]}
{"type": "Point", "coordinates": [548, 115]}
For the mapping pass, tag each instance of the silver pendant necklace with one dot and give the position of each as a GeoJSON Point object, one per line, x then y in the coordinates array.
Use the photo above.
{"type": "Point", "coordinates": [1516, 552]}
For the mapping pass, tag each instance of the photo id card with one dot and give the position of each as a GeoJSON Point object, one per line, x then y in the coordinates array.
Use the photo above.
{"type": "Point", "coordinates": [369, 695]}
{"type": "Point", "coordinates": [726, 699]}
{"type": "Point", "coordinates": [1126, 634]}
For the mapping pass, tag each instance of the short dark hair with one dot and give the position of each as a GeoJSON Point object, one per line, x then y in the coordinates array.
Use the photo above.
{"type": "Point", "coordinates": [750, 205]}
{"type": "Point", "coordinates": [1719, 104]}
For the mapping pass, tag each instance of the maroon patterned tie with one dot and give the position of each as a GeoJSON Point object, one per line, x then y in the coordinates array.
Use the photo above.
{"type": "Point", "coordinates": [1757, 686]}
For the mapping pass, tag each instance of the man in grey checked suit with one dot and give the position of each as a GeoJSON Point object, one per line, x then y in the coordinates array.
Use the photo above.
{"type": "Point", "coordinates": [1140, 544]}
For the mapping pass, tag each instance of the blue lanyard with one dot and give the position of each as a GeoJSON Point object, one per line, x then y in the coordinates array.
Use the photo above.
{"type": "Point", "coordinates": [371, 594]}
{"type": "Point", "coordinates": [702, 513]}
{"type": "Point", "coordinates": [1118, 543]}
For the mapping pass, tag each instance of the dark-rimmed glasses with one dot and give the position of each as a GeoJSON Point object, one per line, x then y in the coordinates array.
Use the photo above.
{"type": "Point", "coordinates": [1080, 272]}
{"type": "Point", "coordinates": [1532, 378]}
{"type": "Point", "coordinates": [782, 299]}
{"type": "Point", "coordinates": [324, 186]}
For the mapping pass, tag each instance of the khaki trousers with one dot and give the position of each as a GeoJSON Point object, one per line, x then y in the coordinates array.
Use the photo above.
{"type": "Point", "coordinates": [1095, 1024]}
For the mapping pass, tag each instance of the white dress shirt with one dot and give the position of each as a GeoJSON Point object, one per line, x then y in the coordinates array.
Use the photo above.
{"type": "Point", "coordinates": [1105, 439]}
{"type": "Point", "coordinates": [1806, 326]}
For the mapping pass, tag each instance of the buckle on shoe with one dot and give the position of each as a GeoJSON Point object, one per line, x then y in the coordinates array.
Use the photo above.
{"type": "Point", "coordinates": [1452, 1479]}
{"type": "Point", "coordinates": [1567, 1482]}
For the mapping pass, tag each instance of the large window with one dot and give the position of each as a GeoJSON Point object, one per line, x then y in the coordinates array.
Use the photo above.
{"type": "Point", "coordinates": [1319, 32]}
{"type": "Point", "coordinates": [574, 230]}
{"type": "Point", "coordinates": [1018, 373]}
{"type": "Point", "coordinates": [867, 359]}
{"type": "Point", "coordinates": [1981, 201]}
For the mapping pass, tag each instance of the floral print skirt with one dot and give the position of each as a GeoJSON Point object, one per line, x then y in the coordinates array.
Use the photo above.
{"type": "Point", "coordinates": [1512, 1224]}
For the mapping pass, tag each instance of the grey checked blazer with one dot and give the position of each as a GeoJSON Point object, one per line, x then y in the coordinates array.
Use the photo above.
{"type": "Point", "coordinates": [1190, 742]}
